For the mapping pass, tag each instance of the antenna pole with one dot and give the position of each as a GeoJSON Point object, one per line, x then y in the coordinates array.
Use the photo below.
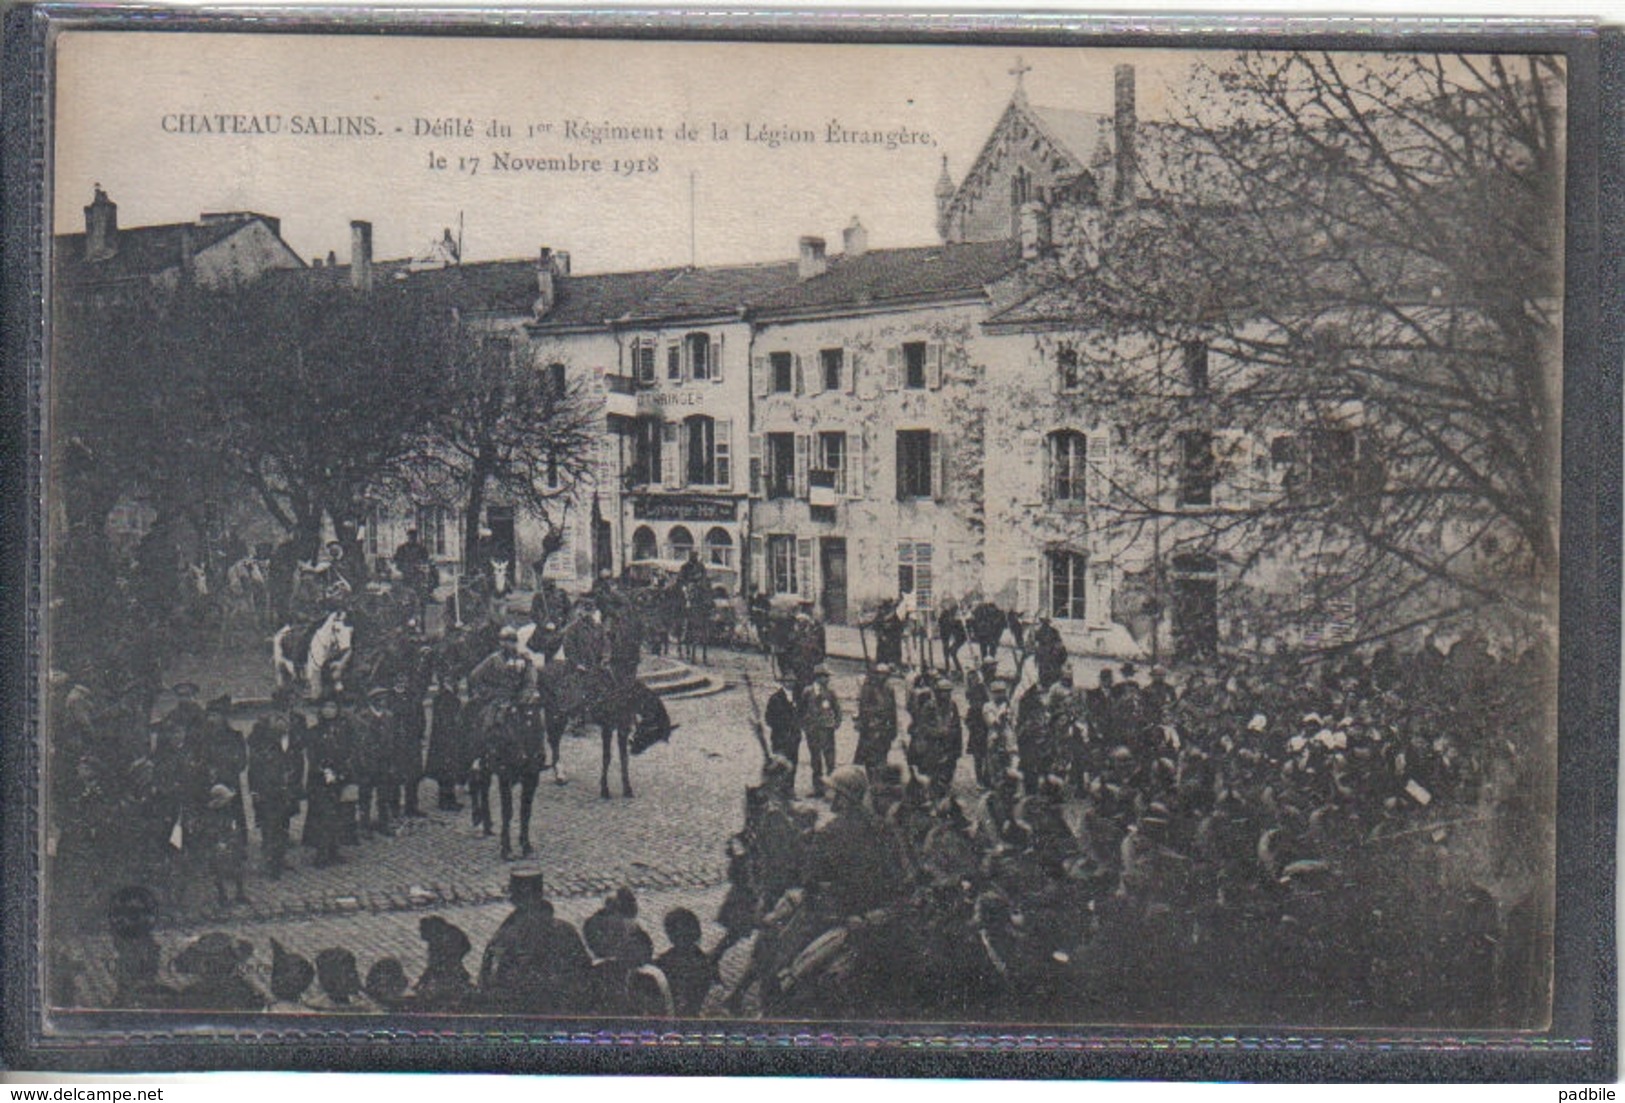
{"type": "Point", "coordinates": [459, 238]}
{"type": "Point", "coordinates": [691, 216]}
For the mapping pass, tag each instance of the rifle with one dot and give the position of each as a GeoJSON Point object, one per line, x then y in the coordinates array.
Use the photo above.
{"type": "Point", "coordinates": [756, 718]}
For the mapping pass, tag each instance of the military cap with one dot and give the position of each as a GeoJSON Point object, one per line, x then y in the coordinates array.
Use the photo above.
{"type": "Point", "coordinates": [378, 691]}
{"type": "Point", "coordinates": [944, 684]}
{"type": "Point", "coordinates": [509, 632]}
{"type": "Point", "coordinates": [881, 668]}
{"type": "Point", "coordinates": [525, 880]}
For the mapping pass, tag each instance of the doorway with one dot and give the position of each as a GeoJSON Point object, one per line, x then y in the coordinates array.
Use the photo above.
{"type": "Point", "coordinates": [832, 560]}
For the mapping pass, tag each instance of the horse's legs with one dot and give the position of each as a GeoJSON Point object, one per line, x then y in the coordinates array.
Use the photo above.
{"type": "Point", "coordinates": [505, 782]}
{"type": "Point", "coordinates": [622, 733]}
{"type": "Point", "coordinates": [604, 735]}
{"type": "Point", "coordinates": [527, 798]}
{"type": "Point", "coordinates": [555, 737]}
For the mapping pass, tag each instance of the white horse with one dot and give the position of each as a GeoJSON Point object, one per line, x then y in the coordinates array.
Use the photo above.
{"type": "Point", "coordinates": [316, 661]}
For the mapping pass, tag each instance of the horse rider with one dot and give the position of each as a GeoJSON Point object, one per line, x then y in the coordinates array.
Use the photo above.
{"type": "Point", "coordinates": [535, 964]}
{"type": "Point", "coordinates": [987, 628]}
{"type": "Point", "coordinates": [820, 717]}
{"type": "Point", "coordinates": [585, 641]}
{"type": "Point", "coordinates": [501, 678]}
{"type": "Point", "coordinates": [877, 719]}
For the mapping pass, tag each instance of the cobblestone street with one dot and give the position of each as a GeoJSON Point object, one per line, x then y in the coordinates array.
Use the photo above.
{"type": "Point", "coordinates": [667, 843]}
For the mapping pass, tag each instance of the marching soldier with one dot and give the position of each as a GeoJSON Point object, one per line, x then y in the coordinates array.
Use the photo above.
{"type": "Point", "coordinates": [820, 717]}
{"type": "Point", "coordinates": [877, 720]}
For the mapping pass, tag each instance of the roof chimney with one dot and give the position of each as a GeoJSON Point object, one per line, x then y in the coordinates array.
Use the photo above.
{"type": "Point", "coordinates": [332, 259]}
{"type": "Point", "coordinates": [561, 262]}
{"type": "Point", "coordinates": [101, 227]}
{"type": "Point", "coordinates": [855, 239]}
{"type": "Point", "coordinates": [361, 255]}
{"type": "Point", "coordinates": [1035, 230]}
{"type": "Point", "coordinates": [546, 282]}
{"type": "Point", "coordinates": [813, 262]}
{"type": "Point", "coordinates": [1123, 124]}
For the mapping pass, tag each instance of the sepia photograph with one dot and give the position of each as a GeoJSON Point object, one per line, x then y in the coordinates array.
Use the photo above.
{"type": "Point", "coordinates": [720, 533]}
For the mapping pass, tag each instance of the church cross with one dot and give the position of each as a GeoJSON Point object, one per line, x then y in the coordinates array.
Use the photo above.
{"type": "Point", "coordinates": [1020, 71]}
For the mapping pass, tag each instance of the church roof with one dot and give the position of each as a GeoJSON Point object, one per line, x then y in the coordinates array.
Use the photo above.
{"type": "Point", "coordinates": [1084, 135]}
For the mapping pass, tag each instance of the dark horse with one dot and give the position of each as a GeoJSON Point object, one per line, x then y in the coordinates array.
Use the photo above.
{"type": "Point", "coordinates": [626, 712]}
{"type": "Point", "coordinates": [518, 749]}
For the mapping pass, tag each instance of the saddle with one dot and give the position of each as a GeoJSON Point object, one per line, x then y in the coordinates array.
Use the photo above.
{"type": "Point", "coordinates": [298, 640]}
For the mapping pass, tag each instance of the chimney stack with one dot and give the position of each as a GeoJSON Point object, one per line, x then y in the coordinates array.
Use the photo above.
{"type": "Point", "coordinates": [361, 255]}
{"type": "Point", "coordinates": [561, 262]}
{"type": "Point", "coordinates": [813, 263]}
{"type": "Point", "coordinates": [101, 227]}
{"type": "Point", "coordinates": [1035, 230]}
{"type": "Point", "coordinates": [332, 259]}
{"type": "Point", "coordinates": [855, 239]}
{"type": "Point", "coordinates": [546, 282]}
{"type": "Point", "coordinates": [1124, 125]}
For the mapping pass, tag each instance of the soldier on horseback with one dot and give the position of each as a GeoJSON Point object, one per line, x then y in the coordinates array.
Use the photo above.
{"type": "Point", "coordinates": [504, 691]}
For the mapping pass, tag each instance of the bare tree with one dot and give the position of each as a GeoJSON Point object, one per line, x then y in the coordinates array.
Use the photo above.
{"type": "Point", "coordinates": [509, 426]}
{"type": "Point", "coordinates": [1328, 324]}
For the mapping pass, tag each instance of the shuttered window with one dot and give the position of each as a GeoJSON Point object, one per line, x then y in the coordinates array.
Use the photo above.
{"type": "Point", "coordinates": [914, 463]}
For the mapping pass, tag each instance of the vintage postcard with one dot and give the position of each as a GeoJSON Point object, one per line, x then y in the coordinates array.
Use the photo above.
{"type": "Point", "coordinates": [703, 535]}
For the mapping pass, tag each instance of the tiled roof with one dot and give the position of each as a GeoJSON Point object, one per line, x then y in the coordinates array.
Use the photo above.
{"type": "Point", "coordinates": [707, 292]}
{"type": "Point", "coordinates": [895, 275]}
{"type": "Point", "coordinates": [669, 294]}
{"type": "Point", "coordinates": [142, 251]}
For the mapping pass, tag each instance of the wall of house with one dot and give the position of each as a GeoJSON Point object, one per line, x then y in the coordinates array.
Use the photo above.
{"type": "Point", "coordinates": [242, 256]}
{"type": "Point", "coordinates": [669, 505]}
{"type": "Point", "coordinates": [870, 408]}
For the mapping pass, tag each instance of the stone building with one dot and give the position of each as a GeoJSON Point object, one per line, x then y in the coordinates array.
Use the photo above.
{"type": "Point", "coordinates": [866, 448]}
{"type": "Point", "coordinates": [219, 249]}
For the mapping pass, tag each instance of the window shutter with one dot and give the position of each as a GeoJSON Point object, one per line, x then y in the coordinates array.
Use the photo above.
{"type": "Point", "coordinates": [802, 445]}
{"type": "Point", "coordinates": [1098, 484]}
{"type": "Point", "coordinates": [894, 368]}
{"type": "Point", "coordinates": [1045, 586]}
{"type": "Point", "coordinates": [1099, 607]}
{"type": "Point", "coordinates": [1027, 585]}
{"type": "Point", "coordinates": [939, 467]}
{"type": "Point", "coordinates": [800, 375]}
{"type": "Point", "coordinates": [761, 376]}
{"type": "Point", "coordinates": [1041, 464]}
{"type": "Point", "coordinates": [933, 365]}
{"type": "Point", "coordinates": [674, 361]}
{"type": "Point", "coordinates": [724, 453]}
{"type": "Point", "coordinates": [816, 384]}
{"type": "Point", "coordinates": [849, 361]}
{"type": "Point", "coordinates": [716, 358]}
{"type": "Point", "coordinates": [670, 470]}
{"type": "Point", "coordinates": [804, 567]}
{"type": "Point", "coordinates": [756, 473]}
{"type": "Point", "coordinates": [854, 464]}
{"type": "Point", "coordinates": [756, 569]}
